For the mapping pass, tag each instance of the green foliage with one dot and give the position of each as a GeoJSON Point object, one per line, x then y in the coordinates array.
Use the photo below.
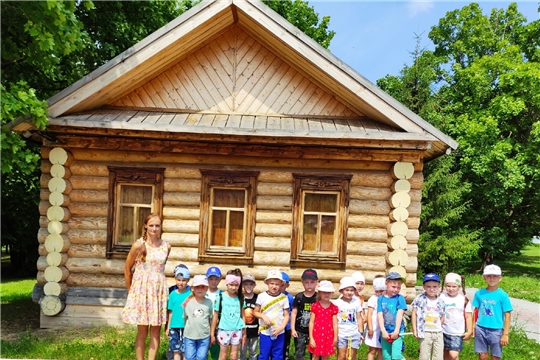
{"type": "Point", "coordinates": [490, 99]}
{"type": "Point", "coordinates": [444, 245]}
{"type": "Point", "coordinates": [20, 101]}
{"type": "Point", "coordinates": [480, 86]}
{"type": "Point", "coordinates": [304, 17]}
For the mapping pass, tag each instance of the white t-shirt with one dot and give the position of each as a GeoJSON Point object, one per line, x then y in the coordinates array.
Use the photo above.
{"type": "Point", "coordinates": [454, 319]}
{"type": "Point", "coordinates": [346, 317]}
{"type": "Point", "coordinates": [433, 322]}
{"type": "Point", "coordinates": [273, 307]}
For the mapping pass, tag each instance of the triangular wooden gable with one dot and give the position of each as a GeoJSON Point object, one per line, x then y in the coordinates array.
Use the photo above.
{"type": "Point", "coordinates": [235, 73]}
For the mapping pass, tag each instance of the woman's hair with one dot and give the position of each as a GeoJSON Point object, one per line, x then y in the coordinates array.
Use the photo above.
{"type": "Point", "coordinates": [145, 234]}
{"type": "Point", "coordinates": [238, 272]}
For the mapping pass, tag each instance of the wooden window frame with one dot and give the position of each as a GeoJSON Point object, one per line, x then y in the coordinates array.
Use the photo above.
{"type": "Point", "coordinates": [130, 176]}
{"type": "Point", "coordinates": [320, 183]}
{"type": "Point", "coordinates": [246, 180]}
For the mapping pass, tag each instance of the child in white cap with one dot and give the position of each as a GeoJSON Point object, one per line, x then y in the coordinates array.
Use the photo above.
{"type": "Point", "coordinates": [323, 331]}
{"type": "Point", "coordinates": [272, 307]}
{"type": "Point", "coordinates": [373, 336]}
{"type": "Point", "coordinates": [458, 316]}
{"type": "Point", "coordinates": [349, 318]}
{"type": "Point", "coordinates": [494, 312]}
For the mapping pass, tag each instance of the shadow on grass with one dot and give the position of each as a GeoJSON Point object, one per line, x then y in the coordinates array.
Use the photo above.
{"type": "Point", "coordinates": [19, 313]}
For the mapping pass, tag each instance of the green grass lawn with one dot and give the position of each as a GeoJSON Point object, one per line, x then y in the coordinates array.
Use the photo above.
{"type": "Point", "coordinates": [111, 343]}
{"type": "Point", "coordinates": [22, 338]}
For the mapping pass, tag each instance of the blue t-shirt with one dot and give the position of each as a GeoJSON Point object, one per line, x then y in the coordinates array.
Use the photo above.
{"type": "Point", "coordinates": [176, 300]}
{"type": "Point", "coordinates": [491, 307]}
{"type": "Point", "coordinates": [230, 317]}
{"type": "Point", "coordinates": [389, 306]}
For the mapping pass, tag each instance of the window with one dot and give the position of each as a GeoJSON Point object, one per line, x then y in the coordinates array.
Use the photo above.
{"type": "Point", "coordinates": [321, 208]}
{"type": "Point", "coordinates": [133, 194]}
{"type": "Point", "coordinates": [227, 226]}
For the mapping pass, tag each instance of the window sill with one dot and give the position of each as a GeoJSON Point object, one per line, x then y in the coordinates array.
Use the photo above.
{"type": "Point", "coordinates": [315, 261]}
{"type": "Point", "coordinates": [226, 259]}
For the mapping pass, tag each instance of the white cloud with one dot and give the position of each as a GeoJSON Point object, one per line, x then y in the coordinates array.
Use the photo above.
{"type": "Point", "coordinates": [417, 7]}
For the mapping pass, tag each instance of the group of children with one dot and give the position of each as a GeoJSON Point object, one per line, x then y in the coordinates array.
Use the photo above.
{"type": "Point", "coordinates": [237, 321]}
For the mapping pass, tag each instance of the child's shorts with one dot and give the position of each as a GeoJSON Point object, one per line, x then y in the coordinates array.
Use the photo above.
{"type": "Point", "coordinates": [229, 337]}
{"type": "Point", "coordinates": [485, 338]}
{"type": "Point", "coordinates": [453, 342]}
{"type": "Point", "coordinates": [355, 341]}
{"type": "Point", "coordinates": [176, 340]}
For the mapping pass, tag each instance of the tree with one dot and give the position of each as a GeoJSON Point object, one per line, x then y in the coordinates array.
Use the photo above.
{"type": "Point", "coordinates": [485, 76]}
{"type": "Point", "coordinates": [491, 102]}
{"type": "Point", "coordinates": [444, 245]}
{"type": "Point", "coordinates": [304, 17]}
{"type": "Point", "coordinates": [35, 36]}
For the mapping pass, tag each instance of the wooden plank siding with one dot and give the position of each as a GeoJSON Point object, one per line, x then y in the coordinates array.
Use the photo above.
{"type": "Point", "coordinates": [242, 77]}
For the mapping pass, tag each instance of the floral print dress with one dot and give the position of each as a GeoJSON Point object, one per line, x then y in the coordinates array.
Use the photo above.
{"type": "Point", "coordinates": [147, 299]}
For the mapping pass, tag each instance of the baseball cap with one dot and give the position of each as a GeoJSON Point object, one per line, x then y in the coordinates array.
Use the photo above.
{"type": "Point", "coordinates": [358, 276]}
{"type": "Point", "coordinates": [199, 280]}
{"type": "Point", "coordinates": [452, 278]}
{"type": "Point", "coordinates": [285, 277]}
{"type": "Point", "coordinates": [379, 284]}
{"type": "Point", "coordinates": [431, 277]}
{"type": "Point", "coordinates": [181, 272]}
{"type": "Point", "coordinates": [492, 270]}
{"type": "Point", "coordinates": [213, 271]}
{"type": "Point", "coordinates": [274, 274]}
{"type": "Point", "coordinates": [310, 274]}
{"type": "Point", "coordinates": [248, 277]}
{"type": "Point", "coordinates": [346, 282]}
{"type": "Point", "coordinates": [393, 275]}
{"type": "Point", "coordinates": [325, 286]}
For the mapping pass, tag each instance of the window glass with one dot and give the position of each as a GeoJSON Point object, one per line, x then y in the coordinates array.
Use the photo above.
{"type": "Point", "coordinates": [227, 225]}
{"type": "Point", "coordinates": [134, 193]}
{"type": "Point", "coordinates": [319, 231]}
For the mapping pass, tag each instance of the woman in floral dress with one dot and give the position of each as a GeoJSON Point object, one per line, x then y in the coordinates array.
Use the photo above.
{"type": "Point", "coordinates": [146, 304]}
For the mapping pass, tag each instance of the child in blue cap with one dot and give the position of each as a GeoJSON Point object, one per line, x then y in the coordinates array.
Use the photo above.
{"type": "Point", "coordinates": [175, 323]}
{"type": "Point", "coordinates": [213, 274]}
{"type": "Point", "coordinates": [427, 319]}
{"type": "Point", "coordinates": [284, 286]}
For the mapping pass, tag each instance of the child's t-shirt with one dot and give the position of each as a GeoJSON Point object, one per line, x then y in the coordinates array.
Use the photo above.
{"type": "Point", "coordinates": [212, 295]}
{"type": "Point", "coordinates": [434, 308]}
{"type": "Point", "coordinates": [230, 317]}
{"type": "Point", "coordinates": [272, 306]}
{"type": "Point", "coordinates": [174, 304]}
{"type": "Point", "coordinates": [454, 315]}
{"type": "Point", "coordinates": [198, 316]}
{"type": "Point", "coordinates": [491, 307]}
{"type": "Point", "coordinates": [389, 307]}
{"type": "Point", "coordinates": [252, 323]}
{"type": "Point", "coordinates": [347, 317]}
{"type": "Point", "coordinates": [302, 303]}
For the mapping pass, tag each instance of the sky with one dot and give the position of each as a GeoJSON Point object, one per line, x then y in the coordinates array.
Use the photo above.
{"type": "Point", "coordinates": [376, 38]}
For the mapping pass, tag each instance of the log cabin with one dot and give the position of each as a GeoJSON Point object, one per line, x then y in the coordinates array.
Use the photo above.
{"type": "Point", "coordinates": [258, 147]}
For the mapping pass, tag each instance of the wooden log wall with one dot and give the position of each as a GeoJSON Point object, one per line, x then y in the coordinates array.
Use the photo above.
{"type": "Point", "coordinates": [79, 230]}
{"type": "Point", "coordinates": [56, 213]}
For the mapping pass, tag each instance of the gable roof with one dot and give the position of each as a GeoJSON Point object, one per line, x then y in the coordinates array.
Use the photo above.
{"type": "Point", "coordinates": [114, 83]}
